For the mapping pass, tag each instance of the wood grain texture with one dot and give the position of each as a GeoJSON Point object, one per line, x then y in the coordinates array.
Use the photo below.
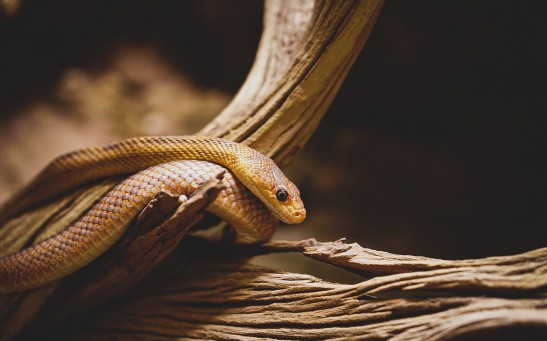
{"type": "Point", "coordinates": [255, 302]}
{"type": "Point", "coordinates": [305, 53]}
{"type": "Point", "coordinates": [306, 50]}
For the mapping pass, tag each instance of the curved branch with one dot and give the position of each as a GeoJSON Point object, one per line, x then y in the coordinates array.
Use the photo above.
{"type": "Point", "coordinates": [305, 53]}
{"type": "Point", "coordinates": [253, 302]}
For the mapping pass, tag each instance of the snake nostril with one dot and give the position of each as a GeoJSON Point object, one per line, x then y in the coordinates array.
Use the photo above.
{"type": "Point", "coordinates": [299, 216]}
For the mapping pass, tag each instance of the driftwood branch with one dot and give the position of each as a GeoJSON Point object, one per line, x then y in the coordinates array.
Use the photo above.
{"type": "Point", "coordinates": [254, 302]}
{"type": "Point", "coordinates": [155, 284]}
{"type": "Point", "coordinates": [508, 275]}
{"type": "Point", "coordinates": [305, 53]}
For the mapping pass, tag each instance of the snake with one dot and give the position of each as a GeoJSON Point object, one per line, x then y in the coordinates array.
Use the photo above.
{"type": "Point", "coordinates": [257, 195]}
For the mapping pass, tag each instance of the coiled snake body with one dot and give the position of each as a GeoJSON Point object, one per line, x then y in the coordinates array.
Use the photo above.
{"type": "Point", "coordinates": [103, 225]}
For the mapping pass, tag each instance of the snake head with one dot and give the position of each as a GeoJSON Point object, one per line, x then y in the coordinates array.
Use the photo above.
{"type": "Point", "coordinates": [283, 198]}
{"type": "Point", "coordinates": [291, 205]}
{"type": "Point", "coordinates": [267, 182]}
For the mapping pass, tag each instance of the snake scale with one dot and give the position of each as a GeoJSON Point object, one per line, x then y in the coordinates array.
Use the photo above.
{"type": "Point", "coordinates": [257, 194]}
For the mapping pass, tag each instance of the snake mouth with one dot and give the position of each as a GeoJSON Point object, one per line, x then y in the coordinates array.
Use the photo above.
{"type": "Point", "coordinates": [294, 215]}
{"type": "Point", "coordinates": [298, 216]}
{"type": "Point", "coordinates": [289, 214]}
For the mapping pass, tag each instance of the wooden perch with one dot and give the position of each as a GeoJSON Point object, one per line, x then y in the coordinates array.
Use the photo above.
{"type": "Point", "coordinates": [255, 302]}
{"type": "Point", "coordinates": [508, 275]}
{"type": "Point", "coordinates": [150, 287]}
{"type": "Point", "coordinates": [305, 53]}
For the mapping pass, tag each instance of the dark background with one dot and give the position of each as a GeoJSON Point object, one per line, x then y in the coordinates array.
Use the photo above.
{"type": "Point", "coordinates": [434, 145]}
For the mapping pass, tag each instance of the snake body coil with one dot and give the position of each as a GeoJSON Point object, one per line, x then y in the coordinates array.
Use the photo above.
{"type": "Point", "coordinates": [103, 225]}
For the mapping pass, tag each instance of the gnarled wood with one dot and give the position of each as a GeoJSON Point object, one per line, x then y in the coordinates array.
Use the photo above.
{"type": "Point", "coordinates": [255, 302]}
{"type": "Point", "coordinates": [306, 50]}
{"type": "Point", "coordinates": [305, 53]}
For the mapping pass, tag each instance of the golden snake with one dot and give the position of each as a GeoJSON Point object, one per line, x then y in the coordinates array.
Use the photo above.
{"type": "Point", "coordinates": [92, 234]}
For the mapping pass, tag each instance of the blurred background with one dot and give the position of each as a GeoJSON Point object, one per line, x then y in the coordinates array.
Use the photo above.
{"type": "Point", "coordinates": [433, 146]}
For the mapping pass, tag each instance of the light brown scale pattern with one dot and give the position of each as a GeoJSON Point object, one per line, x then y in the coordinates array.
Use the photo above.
{"type": "Point", "coordinates": [104, 224]}
{"type": "Point", "coordinates": [257, 172]}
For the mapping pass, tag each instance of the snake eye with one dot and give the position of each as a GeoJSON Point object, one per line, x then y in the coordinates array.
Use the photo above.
{"type": "Point", "coordinates": [282, 194]}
